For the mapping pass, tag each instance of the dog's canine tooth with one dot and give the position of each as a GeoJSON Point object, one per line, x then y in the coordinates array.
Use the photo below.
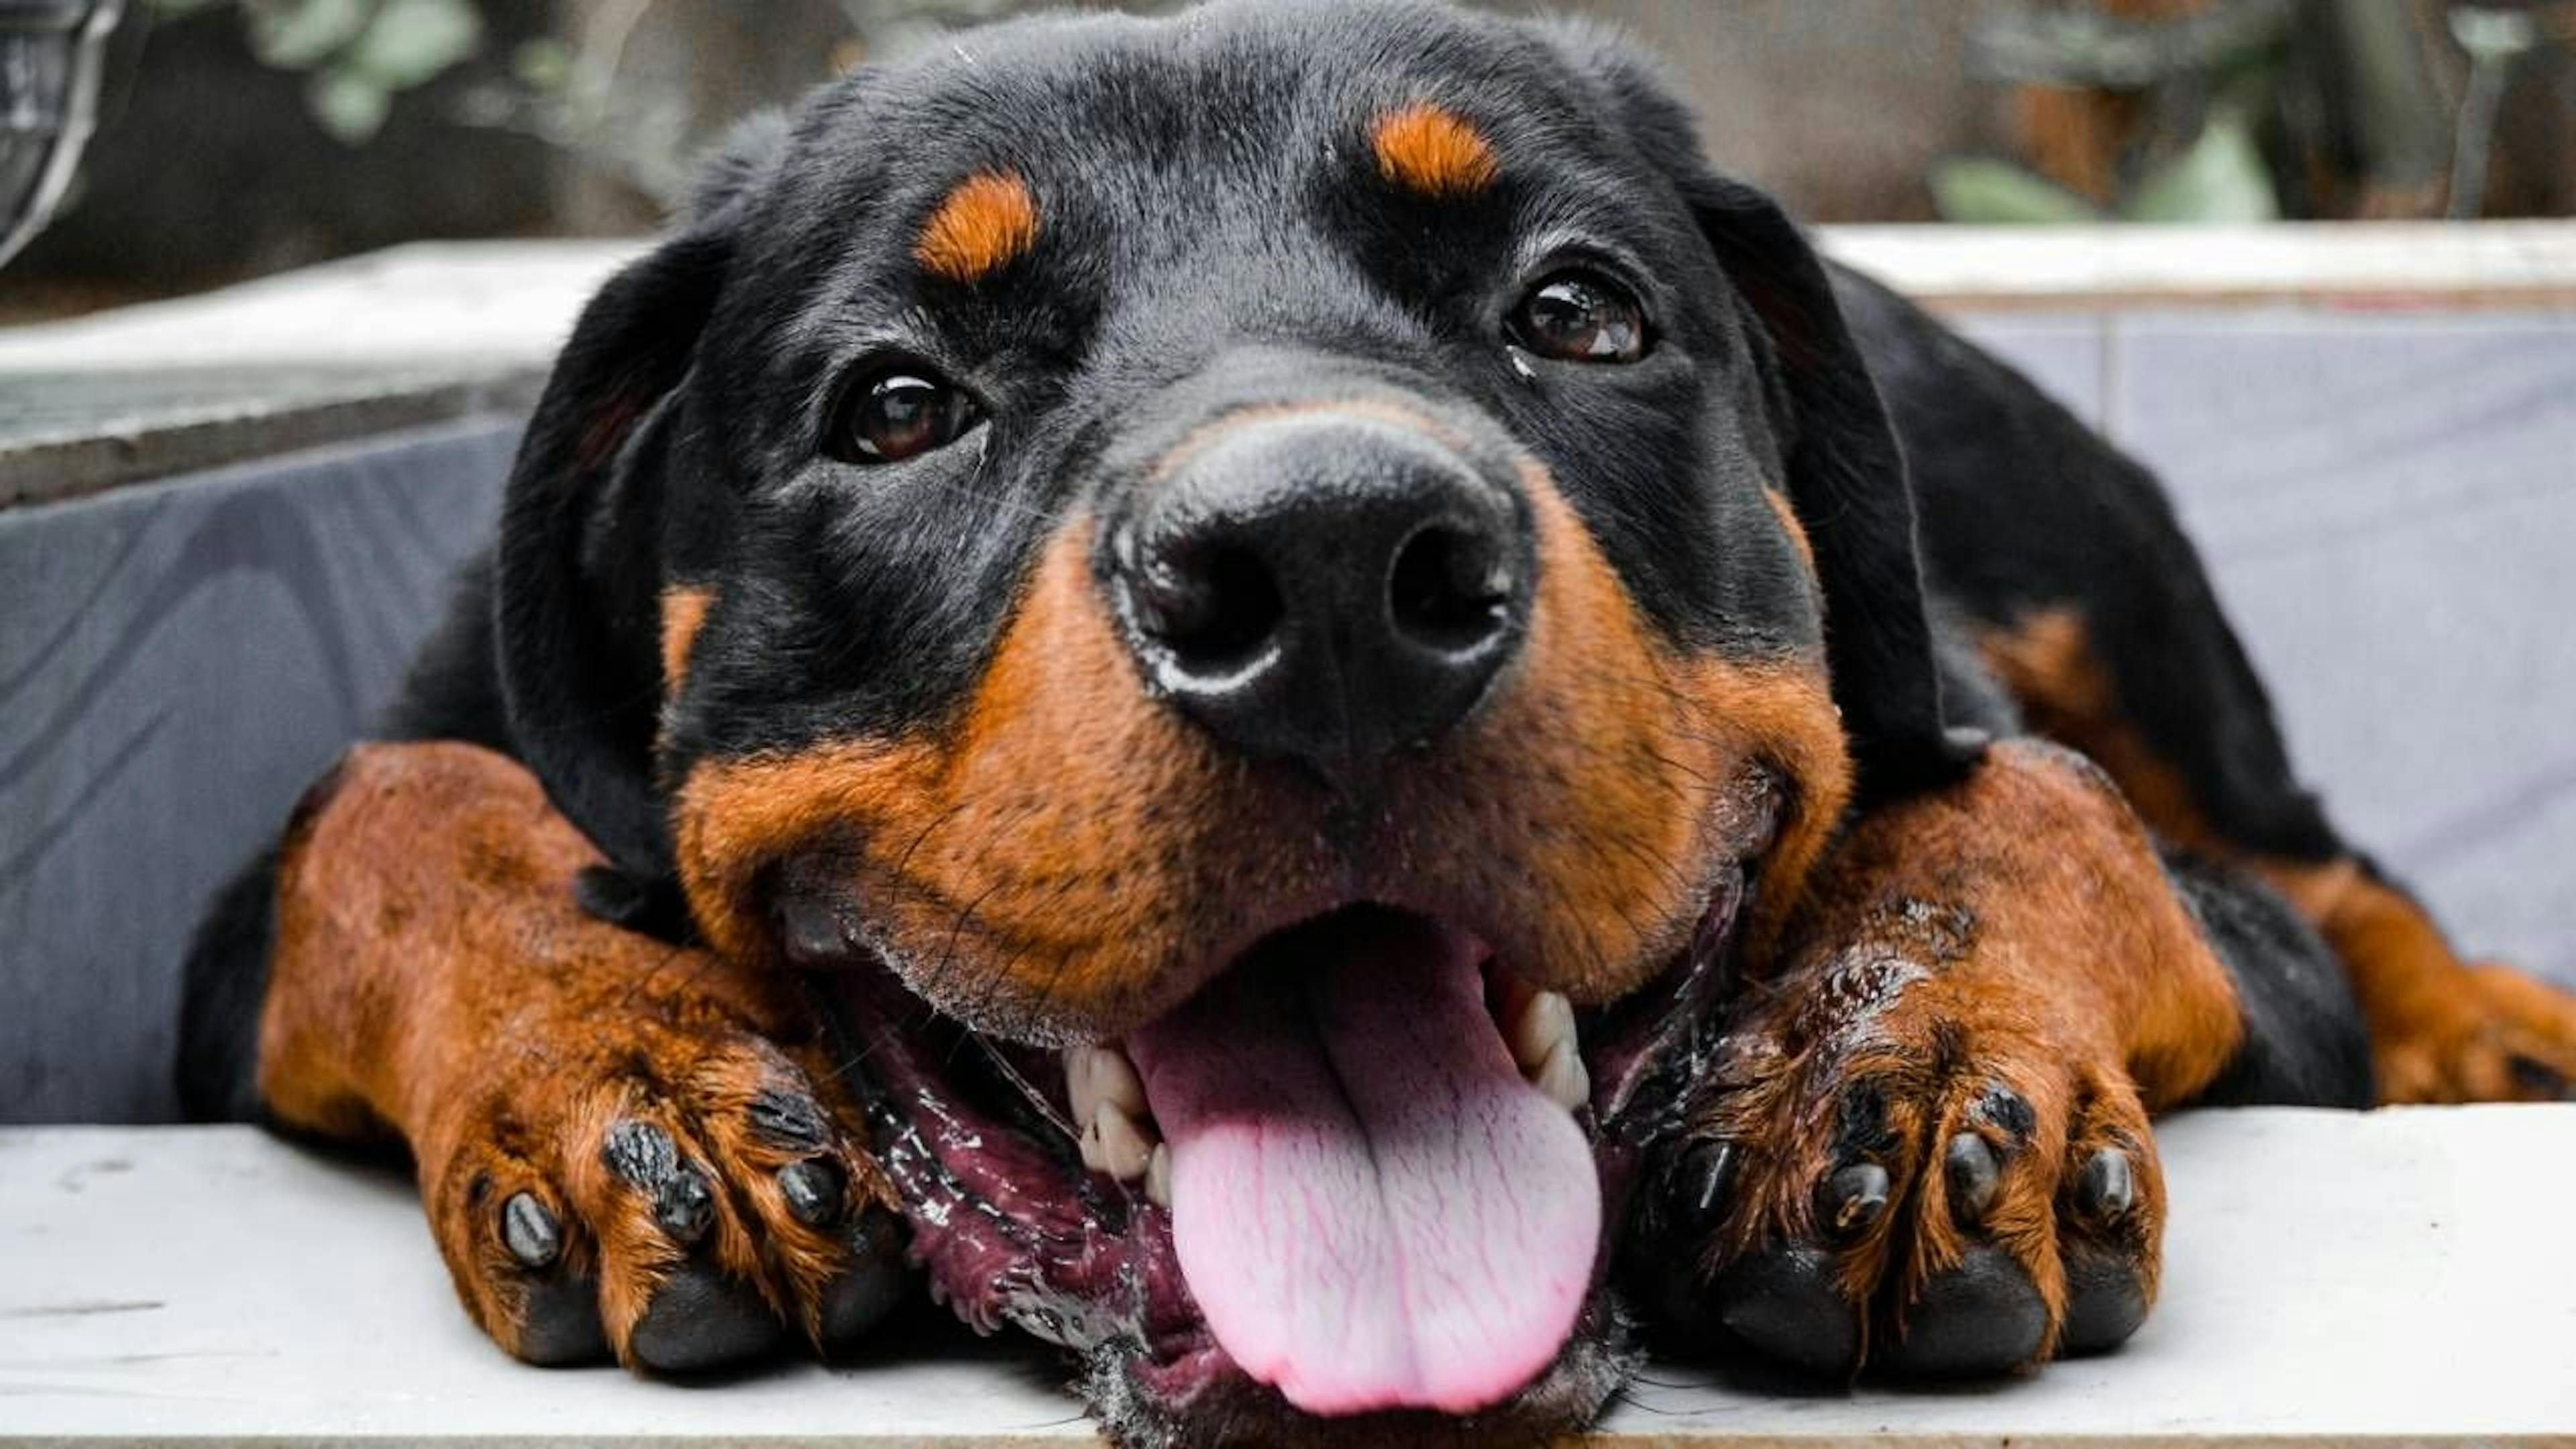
{"type": "Point", "coordinates": [1538, 1029]}
{"type": "Point", "coordinates": [1097, 1074]}
{"type": "Point", "coordinates": [1562, 1077]}
{"type": "Point", "coordinates": [1114, 1144]}
{"type": "Point", "coordinates": [1158, 1176]}
{"type": "Point", "coordinates": [1545, 1019]}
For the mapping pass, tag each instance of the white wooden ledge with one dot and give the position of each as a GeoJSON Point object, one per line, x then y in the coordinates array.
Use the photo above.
{"type": "Point", "coordinates": [2407, 1276]}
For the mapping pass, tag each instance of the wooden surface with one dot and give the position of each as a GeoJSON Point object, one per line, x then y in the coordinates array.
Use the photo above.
{"type": "Point", "coordinates": [2403, 1275]}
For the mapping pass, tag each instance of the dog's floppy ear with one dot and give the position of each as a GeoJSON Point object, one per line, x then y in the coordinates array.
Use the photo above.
{"type": "Point", "coordinates": [1847, 484]}
{"type": "Point", "coordinates": [578, 573]}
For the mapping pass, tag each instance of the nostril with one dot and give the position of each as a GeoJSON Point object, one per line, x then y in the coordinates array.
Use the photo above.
{"type": "Point", "coordinates": [1450, 589]}
{"type": "Point", "coordinates": [1216, 609]}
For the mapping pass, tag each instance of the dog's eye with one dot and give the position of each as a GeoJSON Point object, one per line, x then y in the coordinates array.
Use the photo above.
{"type": "Point", "coordinates": [1581, 317]}
{"type": "Point", "coordinates": [900, 412]}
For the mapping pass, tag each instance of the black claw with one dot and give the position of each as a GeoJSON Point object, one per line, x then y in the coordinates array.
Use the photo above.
{"type": "Point", "coordinates": [1785, 1303]}
{"type": "Point", "coordinates": [790, 1121]}
{"type": "Point", "coordinates": [2007, 1111]}
{"type": "Point", "coordinates": [685, 1206]}
{"type": "Point", "coordinates": [1982, 1317]}
{"type": "Point", "coordinates": [1702, 1179]}
{"type": "Point", "coordinates": [641, 1153]}
{"type": "Point", "coordinates": [2106, 1188]}
{"type": "Point", "coordinates": [701, 1319]}
{"type": "Point", "coordinates": [1974, 1176]}
{"type": "Point", "coordinates": [645, 1155]}
{"type": "Point", "coordinates": [529, 1231]}
{"type": "Point", "coordinates": [2105, 1301]}
{"type": "Point", "coordinates": [816, 1190]}
{"type": "Point", "coordinates": [1852, 1199]}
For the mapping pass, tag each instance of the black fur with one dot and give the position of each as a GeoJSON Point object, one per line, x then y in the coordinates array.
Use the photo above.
{"type": "Point", "coordinates": [577, 577]}
{"type": "Point", "coordinates": [223, 983]}
{"type": "Point", "coordinates": [2304, 1041]}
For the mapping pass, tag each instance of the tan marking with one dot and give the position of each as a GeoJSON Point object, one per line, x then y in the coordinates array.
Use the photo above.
{"type": "Point", "coordinates": [684, 613]}
{"type": "Point", "coordinates": [1427, 149]}
{"type": "Point", "coordinates": [988, 221]}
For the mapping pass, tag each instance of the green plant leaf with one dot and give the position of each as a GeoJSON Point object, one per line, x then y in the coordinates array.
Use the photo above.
{"type": "Point", "coordinates": [348, 103]}
{"type": "Point", "coordinates": [1981, 191]}
{"type": "Point", "coordinates": [2221, 178]}
{"type": "Point", "coordinates": [301, 34]}
{"type": "Point", "coordinates": [411, 41]}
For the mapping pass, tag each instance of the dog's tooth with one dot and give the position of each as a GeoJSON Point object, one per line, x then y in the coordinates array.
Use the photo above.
{"type": "Point", "coordinates": [1079, 1097]}
{"type": "Point", "coordinates": [1116, 1079]}
{"type": "Point", "coordinates": [1562, 1078]}
{"type": "Point", "coordinates": [1125, 1148]}
{"type": "Point", "coordinates": [1158, 1176]}
{"type": "Point", "coordinates": [1097, 1074]}
{"type": "Point", "coordinates": [1546, 1019]}
{"type": "Point", "coordinates": [1093, 1157]}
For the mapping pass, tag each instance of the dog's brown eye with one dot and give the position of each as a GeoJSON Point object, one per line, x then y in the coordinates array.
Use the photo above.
{"type": "Point", "coordinates": [1581, 317]}
{"type": "Point", "coordinates": [898, 413]}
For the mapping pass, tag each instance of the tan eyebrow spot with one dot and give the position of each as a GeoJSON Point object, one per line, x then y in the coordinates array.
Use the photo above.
{"type": "Point", "coordinates": [1427, 149]}
{"type": "Point", "coordinates": [989, 219]}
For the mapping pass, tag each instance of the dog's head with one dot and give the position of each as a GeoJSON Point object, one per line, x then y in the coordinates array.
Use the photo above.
{"type": "Point", "coordinates": [1317, 544]}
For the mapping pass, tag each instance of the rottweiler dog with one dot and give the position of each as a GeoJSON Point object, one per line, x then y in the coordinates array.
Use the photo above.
{"type": "Point", "coordinates": [1277, 695]}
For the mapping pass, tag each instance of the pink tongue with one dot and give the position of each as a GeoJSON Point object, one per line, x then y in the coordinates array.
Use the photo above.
{"type": "Point", "coordinates": [1372, 1208]}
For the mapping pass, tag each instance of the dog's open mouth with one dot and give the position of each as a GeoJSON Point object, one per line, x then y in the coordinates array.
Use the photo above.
{"type": "Point", "coordinates": [1365, 1169]}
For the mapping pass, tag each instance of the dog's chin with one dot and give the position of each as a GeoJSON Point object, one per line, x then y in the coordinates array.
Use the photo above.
{"type": "Point", "coordinates": [1343, 1192]}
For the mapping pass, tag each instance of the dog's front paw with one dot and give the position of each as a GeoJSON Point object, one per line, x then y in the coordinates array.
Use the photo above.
{"type": "Point", "coordinates": [1899, 1176]}
{"type": "Point", "coordinates": [653, 1177]}
{"type": "Point", "coordinates": [1923, 1143]}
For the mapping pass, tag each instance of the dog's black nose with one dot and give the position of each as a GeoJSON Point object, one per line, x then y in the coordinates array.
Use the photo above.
{"type": "Point", "coordinates": [1324, 587]}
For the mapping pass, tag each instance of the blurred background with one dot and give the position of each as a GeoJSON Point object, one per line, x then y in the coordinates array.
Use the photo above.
{"type": "Point", "coordinates": [241, 137]}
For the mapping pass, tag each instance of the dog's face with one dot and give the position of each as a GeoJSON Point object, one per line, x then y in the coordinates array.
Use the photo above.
{"type": "Point", "coordinates": [1293, 543]}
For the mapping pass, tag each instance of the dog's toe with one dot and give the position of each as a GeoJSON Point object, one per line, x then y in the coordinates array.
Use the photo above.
{"type": "Point", "coordinates": [559, 1323]}
{"type": "Point", "coordinates": [2105, 1301]}
{"type": "Point", "coordinates": [871, 1286]}
{"type": "Point", "coordinates": [1980, 1318]}
{"type": "Point", "coordinates": [702, 1319]}
{"type": "Point", "coordinates": [1785, 1303]}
